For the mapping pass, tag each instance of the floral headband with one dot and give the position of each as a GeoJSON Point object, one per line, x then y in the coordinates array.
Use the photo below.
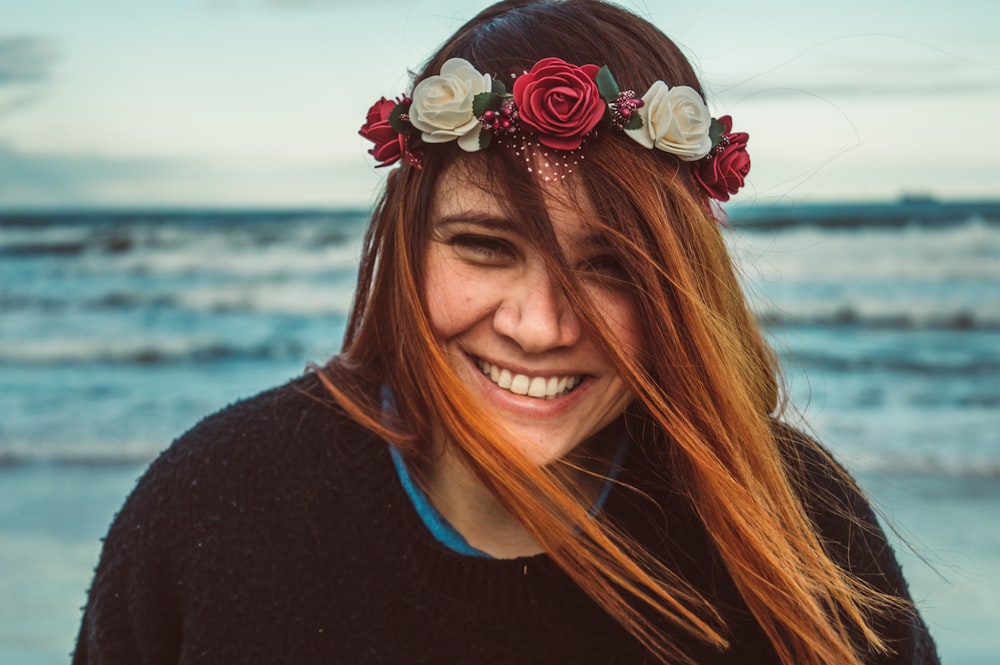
{"type": "Point", "coordinates": [560, 105]}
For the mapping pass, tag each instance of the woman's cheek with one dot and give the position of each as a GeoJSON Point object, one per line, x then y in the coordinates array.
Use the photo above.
{"type": "Point", "coordinates": [622, 318]}
{"type": "Point", "coordinates": [457, 295]}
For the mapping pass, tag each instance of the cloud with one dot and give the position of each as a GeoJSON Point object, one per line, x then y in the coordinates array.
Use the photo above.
{"type": "Point", "coordinates": [25, 63]}
{"type": "Point", "coordinates": [868, 65]}
{"type": "Point", "coordinates": [18, 102]}
{"type": "Point", "coordinates": [66, 179]}
{"type": "Point", "coordinates": [69, 180]}
{"type": "Point", "coordinates": [864, 75]}
{"type": "Point", "coordinates": [26, 59]}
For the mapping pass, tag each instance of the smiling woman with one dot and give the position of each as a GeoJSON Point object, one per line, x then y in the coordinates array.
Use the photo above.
{"type": "Point", "coordinates": [507, 329]}
{"type": "Point", "coordinates": [553, 433]}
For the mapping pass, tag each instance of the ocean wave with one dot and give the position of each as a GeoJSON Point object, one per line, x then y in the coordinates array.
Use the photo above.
{"type": "Point", "coordinates": [884, 315]}
{"type": "Point", "coordinates": [217, 257]}
{"type": "Point", "coordinates": [964, 366]}
{"type": "Point", "coordinates": [968, 252]}
{"type": "Point", "coordinates": [289, 298]}
{"type": "Point", "coordinates": [281, 297]}
{"type": "Point", "coordinates": [86, 455]}
{"type": "Point", "coordinates": [65, 244]}
{"type": "Point", "coordinates": [148, 351]}
{"type": "Point", "coordinates": [907, 213]}
{"type": "Point", "coordinates": [122, 234]}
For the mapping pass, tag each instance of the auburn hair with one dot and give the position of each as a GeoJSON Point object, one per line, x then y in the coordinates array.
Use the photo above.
{"type": "Point", "coordinates": [705, 383]}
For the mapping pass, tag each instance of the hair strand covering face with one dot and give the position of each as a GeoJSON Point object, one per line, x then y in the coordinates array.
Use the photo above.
{"type": "Point", "coordinates": [713, 424]}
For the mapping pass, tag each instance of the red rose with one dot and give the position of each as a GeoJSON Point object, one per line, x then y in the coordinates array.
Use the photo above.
{"type": "Point", "coordinates": [723, 171]}
{"type": "Point", "coordinates": [559, 101]}
{"type": "Point", "coordinates": [390, 145]}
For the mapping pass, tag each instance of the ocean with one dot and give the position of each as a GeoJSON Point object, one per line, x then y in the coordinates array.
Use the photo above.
{"type": "Point", "coordinates": [119, 330]}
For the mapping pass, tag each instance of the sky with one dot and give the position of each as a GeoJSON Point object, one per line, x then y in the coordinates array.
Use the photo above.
{"type": "Point", "coordinates": [257, 103]}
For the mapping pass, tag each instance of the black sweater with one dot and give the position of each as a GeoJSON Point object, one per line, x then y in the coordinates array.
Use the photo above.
{"type": "Point", "coordinates": [276, 531]}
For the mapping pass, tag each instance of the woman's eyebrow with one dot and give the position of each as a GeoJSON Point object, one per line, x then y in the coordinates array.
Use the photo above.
{"type": "Point", "coordinates": [594, 240]}
{"type": "Point", "coordinates": [494, 222]}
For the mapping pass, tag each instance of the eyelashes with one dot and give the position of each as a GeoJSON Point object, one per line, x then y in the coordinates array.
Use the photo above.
{"type": "Point", "coordinates": [608, 267]}
{"type": "Point", "coordinates": [498, 252]}
{"type": "Point", "coordinates": [488, 249]}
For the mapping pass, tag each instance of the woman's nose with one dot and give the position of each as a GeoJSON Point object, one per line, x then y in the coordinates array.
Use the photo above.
{"type": "Point", "coordinates": [536, 315]}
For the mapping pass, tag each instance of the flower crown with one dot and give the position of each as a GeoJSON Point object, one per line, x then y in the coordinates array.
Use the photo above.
{"type": "Point", "coordinates": [560, 105]}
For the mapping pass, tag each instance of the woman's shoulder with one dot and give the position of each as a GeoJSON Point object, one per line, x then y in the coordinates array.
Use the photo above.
{"type": "Point", "coordinates": [830, 494]}
{"type": "Point", "coordinates": [247, 491]}
{"type": "Point", "coordinates": [276, 426]}
{"type": "Point", "coordinates": [283, 445]}
{"type": "Point", "coordinates": [823, 483]}
{"type": "Point", "coordinates": [297, 407]}
{"type": "Point", "coordinates": [840, 511]}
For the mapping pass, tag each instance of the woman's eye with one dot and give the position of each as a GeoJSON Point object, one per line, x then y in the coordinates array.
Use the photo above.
{"type": "Point", "coordinates": [608, 268]}
{"type": "Point", "coordinates": [483, 248]}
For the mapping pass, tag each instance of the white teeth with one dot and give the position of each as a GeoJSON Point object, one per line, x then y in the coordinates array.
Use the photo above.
{"type": "Point", "coordinates": [537, 387]}
{"type": "Point", "coordinates": [504, 380]}
{"type": "Point", "coordinates": [540, 387]}
{"type": "Point", "coordinates": [520, 384]}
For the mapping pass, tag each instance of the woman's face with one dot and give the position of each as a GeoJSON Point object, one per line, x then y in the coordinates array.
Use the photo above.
{"type": "Point", "coordinates": [507, 329]}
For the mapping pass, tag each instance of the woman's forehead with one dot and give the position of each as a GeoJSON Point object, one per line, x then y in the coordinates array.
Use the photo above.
{"type": "Point", "coordinates": [465, 189]}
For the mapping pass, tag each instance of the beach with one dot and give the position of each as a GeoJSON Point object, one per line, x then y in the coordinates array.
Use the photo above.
{"type": "Point", "coordinates": [119, 330]}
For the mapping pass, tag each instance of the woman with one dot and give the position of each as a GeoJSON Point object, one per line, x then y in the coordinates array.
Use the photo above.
{"type": "Point", "coordinates": [552, 433]}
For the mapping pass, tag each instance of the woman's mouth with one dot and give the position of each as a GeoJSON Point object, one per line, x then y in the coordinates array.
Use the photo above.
{"type": "Point", "coordinates": [541, 387]}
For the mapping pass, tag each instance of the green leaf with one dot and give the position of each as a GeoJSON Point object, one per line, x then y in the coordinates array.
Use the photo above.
{"type": "Point", "coordinates": [499, 88]}
{"type": "Point", "coordinates": [635, 122]}
{"type": "Point", "coordinates": [399, 125]}
{"type": "Point", "coordinates": [485, 137]}
{"type": "Point", "coordinates": [715, 132]}
{"type": "Point", "coordinates": [485, 101]}
{"type": "Point", "coordinates": [606, 84]}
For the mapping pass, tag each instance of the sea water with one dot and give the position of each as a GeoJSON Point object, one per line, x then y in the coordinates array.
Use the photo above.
{"type": "Point", "coordinates": [119, 330]}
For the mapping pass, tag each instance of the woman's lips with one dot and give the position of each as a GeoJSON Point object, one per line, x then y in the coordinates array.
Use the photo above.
{"type": "Point", "coordinates": [540, 387]}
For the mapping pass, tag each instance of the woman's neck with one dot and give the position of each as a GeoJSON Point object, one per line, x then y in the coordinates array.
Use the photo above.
{"type": "Point", "coordinates": [472, 510]}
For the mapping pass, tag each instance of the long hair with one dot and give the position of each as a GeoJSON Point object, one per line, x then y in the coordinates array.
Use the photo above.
{"type": "Point", "coordinates": [705, 383]}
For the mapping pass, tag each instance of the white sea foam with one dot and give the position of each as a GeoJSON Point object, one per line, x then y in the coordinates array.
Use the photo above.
{"type": "Point", "coordinates": [150, 349]}
{"type": "Point", "coordinates": [911, 277]}
{"type": "Point", "coordinates": [298, 297]}
{"type": "Point", "coordinates": [53, 236]}
{"type": "Point", "coordinates": [218, 257]}
{"type": "Point", "coordinates": [963, 310]}
{"type": "Point", "coordinates": [77, 454]}
{"type": "Point", "coordinates": [963, 252]}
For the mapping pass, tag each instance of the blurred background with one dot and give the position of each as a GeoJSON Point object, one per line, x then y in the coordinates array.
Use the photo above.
{"type": "Point", "coordinates": [183, 191]}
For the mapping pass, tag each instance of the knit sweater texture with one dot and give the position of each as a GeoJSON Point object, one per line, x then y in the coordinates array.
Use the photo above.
{"type": "Point", "coordinates": [277, 531]}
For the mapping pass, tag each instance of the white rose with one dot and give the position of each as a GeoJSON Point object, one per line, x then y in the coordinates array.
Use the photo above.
{"type": "Point", "coordinates": [674, 120]}
{"type": "Point", "coordinates": [442, 104]}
